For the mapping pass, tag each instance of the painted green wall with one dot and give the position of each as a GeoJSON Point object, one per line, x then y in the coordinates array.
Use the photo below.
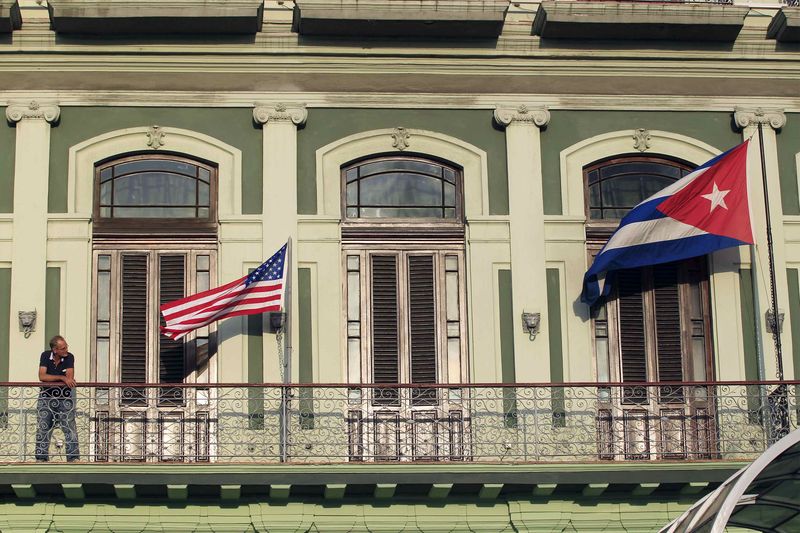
{"type": "Point", "coordinates": [5, 321]}
{"type": "Point", "coordinates": [233, 126]}
{"type": "Point", "coordinates": [569, 127]}
{"type": "Point", "coordinates": [8, 143]}
{"type": "Point", "coordinates": [506, 313]}
{"type": "Point", "coordinates": [554, 325]}
{"type": "Point", "coordinates": [748, 324]}
{"type": "Point", "coordinates": [305, 355]}
{"type": "Point", "coordinates": [52, 303]}
{"type": "Point", "coordinates": [473, 126]}
{"type": "Point", "coordinates": [788, 146]}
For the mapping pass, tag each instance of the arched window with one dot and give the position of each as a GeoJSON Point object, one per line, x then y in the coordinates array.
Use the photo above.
{"type": "Point", "coordinates": [654, 327]}
{"type": "Point", "coordinates": [405, 306]}
{"type": "Point", "coordinates": [142, 192]}
{"type": "Point", "coordinates": [615, 186]}
{"type": "Point", "coordinates": [401, 187]}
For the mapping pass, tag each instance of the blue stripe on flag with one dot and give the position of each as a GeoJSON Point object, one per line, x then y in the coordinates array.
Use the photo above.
{"type": "Point", "coordinates": [648, 254]}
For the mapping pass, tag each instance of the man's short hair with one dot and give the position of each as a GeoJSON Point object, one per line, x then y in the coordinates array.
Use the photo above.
{"type": "Point", "coordinates": [55, 340]}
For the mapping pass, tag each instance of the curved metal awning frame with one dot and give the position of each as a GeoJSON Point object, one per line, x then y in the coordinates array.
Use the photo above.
{"type": "Point", "coordinates": [716, 511]}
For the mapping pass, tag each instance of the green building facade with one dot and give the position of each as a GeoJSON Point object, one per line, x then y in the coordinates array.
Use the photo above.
{"type": "Point", "coordinates": [444, 172]}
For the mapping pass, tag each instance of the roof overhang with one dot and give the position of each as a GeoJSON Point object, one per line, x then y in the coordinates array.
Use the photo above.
{"type": "Point", "coordinates": [574, 19]}
{"type": "Point", "coordinates": [400, 18]}
{"type": "Point", "coordinates": [156, 16]}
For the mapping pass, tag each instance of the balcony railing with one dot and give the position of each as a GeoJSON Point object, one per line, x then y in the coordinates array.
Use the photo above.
{"type": "Point", "coordinates": [270, 423]}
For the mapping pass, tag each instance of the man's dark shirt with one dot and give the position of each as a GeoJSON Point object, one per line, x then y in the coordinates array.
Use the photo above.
{"type": "Point", "coordinates": [47, 360]}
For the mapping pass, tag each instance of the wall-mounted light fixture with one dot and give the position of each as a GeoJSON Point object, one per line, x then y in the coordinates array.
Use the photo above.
{"type": "Point", "coordinates": [27, 322]}
{"type": "Point", "coordinates": [770, 317]}
{"type": "Point", "coordinates": [276, 321]}
{"type": "Point", "coordinates": [530, 323]}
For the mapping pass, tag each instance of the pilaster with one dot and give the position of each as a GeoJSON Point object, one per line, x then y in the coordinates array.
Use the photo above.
{"type": "Point", "coordinates": [29, 234]}
{"type": "Point", "coordinates": [279, 204]}
{"type": "Point", "coordinates": [526, 222]}
{"type": "Point", "coordinates": [770, 120]}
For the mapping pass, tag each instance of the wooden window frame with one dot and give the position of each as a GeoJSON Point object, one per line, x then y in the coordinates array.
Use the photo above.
{"type": "Point", "coordinates": [410, 222]}
{"type": "Point", "coordinates": [146, 227]}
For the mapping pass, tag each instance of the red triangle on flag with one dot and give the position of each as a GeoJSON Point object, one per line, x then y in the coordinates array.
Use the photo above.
{"type": "Point", "coordinates": [717, 200]}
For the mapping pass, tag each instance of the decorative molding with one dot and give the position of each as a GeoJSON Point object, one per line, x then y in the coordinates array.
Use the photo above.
{"type": "Point", "coordinates": [263, 114]}
{"type": "Point", "coordinates": [155, 137]}
{"type": "Point", "coordinates": [522, 114]}
{"type": "Point", "coordinates": [641, 139]}
{"type": "Point", "coordinates": [401, 139]}
{"type": "Point", "coordinates": [774, 118]}
{"type": "Point", "coordinates": [32, 110]}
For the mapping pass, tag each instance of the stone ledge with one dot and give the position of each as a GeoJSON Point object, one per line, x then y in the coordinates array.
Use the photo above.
{"type": "Point", "coordinates": [785, 25]}
{"type": "Point", "coordinates": [10, 18]}
{"type": "Point", "coordinates": [156, 16]}
{"type": "Point", "coordinates": [569, 19]}
{"type": "Point", "coordinates": [400, 18]}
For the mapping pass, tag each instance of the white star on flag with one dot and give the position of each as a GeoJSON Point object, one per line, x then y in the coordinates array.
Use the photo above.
{"type": "Point", "coordinates": [716, 197]}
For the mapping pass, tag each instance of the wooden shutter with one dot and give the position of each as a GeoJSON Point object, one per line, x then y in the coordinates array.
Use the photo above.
{"type": "Point", "coordinates": [422, 318]}
{"type": "Point", "coordinates": [632, 326]}
{"type": "Point", "coordinates": [133, 357]}
{"type": "Point", "coordinates": [171, 287]}
{"type": "Point", "coordinates": [668, 322]}
{"type": "Point", "coordinates": [385, 334]}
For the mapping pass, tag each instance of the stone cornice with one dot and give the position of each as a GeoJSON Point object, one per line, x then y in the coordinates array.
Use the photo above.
{"type": "Point", "coordinates": [774, 118]}
{"type": "Point", "coordinates": [263, 114]}
{"type": "Point", "coordinates": [522, 114]}
{"type": "Point", "coordinates": [32, 110]}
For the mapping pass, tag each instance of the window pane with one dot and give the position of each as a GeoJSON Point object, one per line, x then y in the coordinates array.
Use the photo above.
{"type": "Point", "coordinates": [449, 213]}
{"type": "Point", "coordinates": [203, 262]}
{"type": "Point", "coordinates": [103, 295]}
{"type": "Point", "coordinates": [594, 195]}
{"type": "Point", "coordinates": [352, 193]}
{"type": "Point", "coordinates": [103, 262]}
{"type": "Point", "coordinates": [103, 329]}
{"type": "Point", "coordinates": [145, 165]}
{"type": "Point", "coordinates": [204, 174]}
{"type": "Point", "coordinates": [698, 359]}
{"type": "Point", "coordinates": [401, 190]}
{"type": "Point", "coordinates": [203, 212]}
{"type": "Point", "coordinates": [102, 359]}
{"type": "Point", "coordinates": [154, 189]}
{"type": "Point", "coordinates": [106, 174]}
{"type": "Point", "coordinates": [154, 212]}
{"type": "Point", "coordinates": [202, 194]}
{"type": "Point", "coordinates": [351, 174]}
{"type": "Point", "coordinates": [353, 296]}
{"type": "Point", "coordinates": [105, 193]}
{"type": "Point", "coordinates": [398, 212]}
{"type": "Point", "coordinates": [449, 194]}
{"type": "Point", "coordinates": [396, 164]}
{"type": "Point", "coordinates": [449, 175]}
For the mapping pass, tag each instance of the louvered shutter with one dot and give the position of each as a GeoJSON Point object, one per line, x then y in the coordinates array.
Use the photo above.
{"type": "Point", "coordinates": [632, 326]}
{"type": "Point", "coordinates": [171, 287]}
{"type": "Point", "coordinates": [133, 359]}
{"type": "Point", "coordinates": [385, 334]}
{"type": "Point", "coordinates": [632, 334]}
{"type": "Point", "coordinates": [668, 322]}
{"type": "Point", "coordinates": [422, 318]}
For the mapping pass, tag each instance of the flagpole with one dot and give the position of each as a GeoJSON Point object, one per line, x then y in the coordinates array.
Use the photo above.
{"type": "Point", "coordinates": [287, 352]}
{"type": "Point", "coordinates": [776, 334]}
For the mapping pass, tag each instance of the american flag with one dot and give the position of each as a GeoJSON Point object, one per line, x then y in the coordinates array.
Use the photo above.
{"type": "Point", "coordinates": [258, 292]}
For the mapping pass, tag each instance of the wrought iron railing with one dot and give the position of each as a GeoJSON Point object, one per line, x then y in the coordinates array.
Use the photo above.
{"type": "Point", "coordinates": [106, 423]}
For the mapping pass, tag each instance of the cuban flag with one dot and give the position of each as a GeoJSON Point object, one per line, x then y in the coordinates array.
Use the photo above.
{"type": "Point", "coordinates": [704, 211]}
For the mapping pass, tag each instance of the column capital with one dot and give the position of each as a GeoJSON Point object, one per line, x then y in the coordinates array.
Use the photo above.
{"type": "Point", "coordinates": [16, 112]}
{"type": "Point", "coordinates": [264, 113]}
{"type": "Point", "coordinates": [522, 114]}
{"type": "Point", "coordinates": [745, 117]}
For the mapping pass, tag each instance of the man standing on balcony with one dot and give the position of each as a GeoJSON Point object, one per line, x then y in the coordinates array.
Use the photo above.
{"type": "Point", "coordinates": [56, 403]}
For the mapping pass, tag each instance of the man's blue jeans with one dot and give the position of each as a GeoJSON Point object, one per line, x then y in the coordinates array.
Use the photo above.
{"type": "Point", "coordinates": [52, 411]}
